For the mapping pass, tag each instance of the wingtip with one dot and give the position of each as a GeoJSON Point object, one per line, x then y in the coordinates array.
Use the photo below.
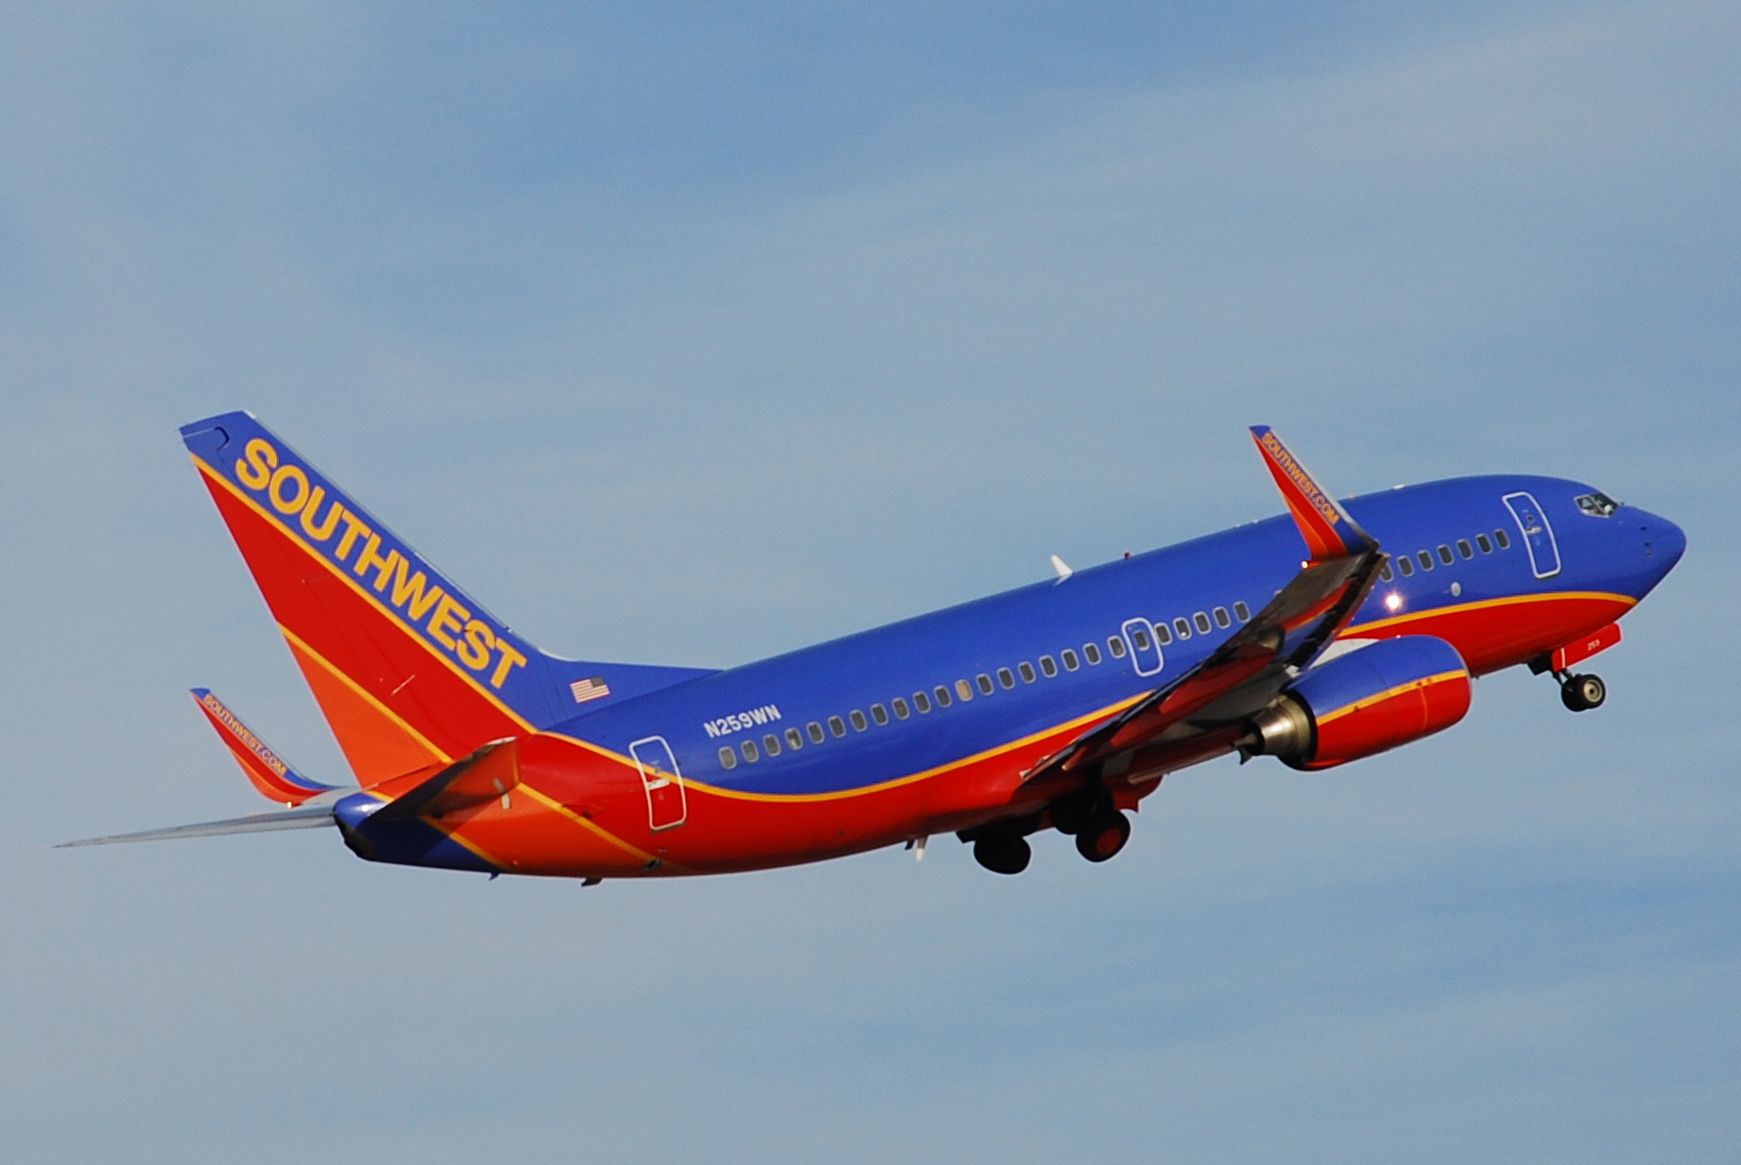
{"type": "Point", "coordinates": [1328, 529]}
{"type": "Point", "coordinates": [274, 777]}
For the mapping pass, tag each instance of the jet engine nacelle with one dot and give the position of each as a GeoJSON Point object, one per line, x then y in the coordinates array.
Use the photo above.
{"type": "Point", "coordinates": [1374, 698]}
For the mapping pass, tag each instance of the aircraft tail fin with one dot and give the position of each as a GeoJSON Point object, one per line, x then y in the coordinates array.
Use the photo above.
{"type": "Point", "coordinates": [265, 769]}
{"type": "Point", "coordinates": [1327, 528]}
{"type": "Point", "coordinates": [407, 668]}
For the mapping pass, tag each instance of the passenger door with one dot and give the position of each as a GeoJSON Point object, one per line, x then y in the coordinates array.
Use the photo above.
{"type": "Point", "coordinates": [1538, 535]}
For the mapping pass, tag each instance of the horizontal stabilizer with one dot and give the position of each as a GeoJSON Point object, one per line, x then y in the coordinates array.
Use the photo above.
{"type": "Point", "coordinates": [312, 817]}
{"type": "Point", "coordinates": [492, 771]}
{"type": "Point", "coordinates": [1328, 530]}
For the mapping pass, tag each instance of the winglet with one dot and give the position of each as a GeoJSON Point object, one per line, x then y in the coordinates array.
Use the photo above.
{"type": "Point", "coordinates": [269, 773]}
{"type": "Point", "coordinates": [1328, 530]}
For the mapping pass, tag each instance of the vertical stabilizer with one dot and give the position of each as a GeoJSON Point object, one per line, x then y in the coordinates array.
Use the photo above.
{"type": "Point", "coordinates": [408, 669]}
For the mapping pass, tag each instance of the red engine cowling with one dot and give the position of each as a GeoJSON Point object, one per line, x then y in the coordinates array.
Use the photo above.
{"type": "Point", "coordinates": [1384, 694]}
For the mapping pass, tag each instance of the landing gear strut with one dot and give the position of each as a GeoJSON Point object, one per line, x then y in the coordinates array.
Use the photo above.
{"type": "Point", "coordinates": [1581, 693]}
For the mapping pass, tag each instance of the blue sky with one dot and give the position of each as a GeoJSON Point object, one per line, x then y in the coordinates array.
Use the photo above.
{"type": "Point", "coordinates": [690, 336]}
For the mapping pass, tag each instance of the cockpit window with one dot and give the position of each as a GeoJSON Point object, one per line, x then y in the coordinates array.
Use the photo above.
{"type": "Point", "coordinates": [1598, 505]}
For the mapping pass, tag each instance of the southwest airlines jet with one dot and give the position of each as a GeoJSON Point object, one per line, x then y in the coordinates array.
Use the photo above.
{"type": "Point", "coordinates": [1328, 634]}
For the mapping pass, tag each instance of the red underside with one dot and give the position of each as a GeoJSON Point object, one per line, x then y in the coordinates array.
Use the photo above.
{"type": "Point", "coordinates": [580, 812]}
{"type": "Point", "coordinates": [1490, 637]}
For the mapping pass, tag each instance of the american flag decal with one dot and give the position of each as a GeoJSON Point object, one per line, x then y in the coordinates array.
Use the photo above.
{"type": "Point", "coordinates": [589, 689]}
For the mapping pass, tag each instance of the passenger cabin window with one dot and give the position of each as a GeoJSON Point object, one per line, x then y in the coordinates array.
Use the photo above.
{"type": "Point", "coordinates": [1202, 622]}
{"type": "Point", "coordinates": [836, 727]}
{"type": "Point", "coordinates": [880, 714]}
{"type": "Point", "coordinates": [815, 731]}
{"type": "Point", "coordinates": [1221, 619]}
{"type": "Point", "coordinates": [1406, 565]}
{"type": "Point", "coordinates": [771, 745]}
{"type": "Point", "coordinates": [858, 721]}
{"type": "Point", "coordinates": [727, 758]}
{"type": "Point", "coordinates": [1482, 541]}
{"type": "Point", "coordinates": [922, 702]}
{"type": "Point", "coordinates": [1006, 678]}
{"type": "Point", "coordinates": [1116, 646]}
{"type": "Point", "coordinates": [1140, 637]}
{"type": "Point", "coordinates": [1049, 666]}
{"type": "Point", "coordinates": [1425, 559]}
{"type": "Point", "coordinates": [1445, 554]}
{"type": "Point", "coordinates": [984, 682]}
{"type": "Point", "coordinates": [1384, 572]}
{"type": "Point", "coordinates": [1091, 652]}
{"type": "Point", "coordinates": [1463, 548]}
{"type": "Point", "coordinates": [1504, 539]}
{"type": "Point", "coordinates": [1242, 612]}
{"type": "Point", "coordinates": [751, 753]}
{"type": "Point", "coordinates": [1027, 670]}
{"type": "Point", "coordinates": [1162, 635]}
{"type": "Point", "coordinates": [901, 710]}
{"type": "Point", "coordinates": [942, 694]}
{"type": "Point", "coordinates": [1182, 627]}
{"type": "Point", "coordinates": [1071, 663]}
{"type": "Point", "coordinates": [794, 740]}
{"type": "Point", "coordinates": [964, 690]}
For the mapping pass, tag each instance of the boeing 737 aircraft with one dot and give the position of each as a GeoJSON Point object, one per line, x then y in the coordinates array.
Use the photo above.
{"type": "Point", "coordinates": [1332, 633]}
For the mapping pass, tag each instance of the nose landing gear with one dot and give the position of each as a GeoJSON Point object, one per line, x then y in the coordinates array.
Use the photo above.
{"type": "Point", "coordinates": [1580, 693]}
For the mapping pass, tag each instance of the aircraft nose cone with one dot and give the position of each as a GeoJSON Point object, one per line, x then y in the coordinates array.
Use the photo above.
{"type": "Point", "coordinates": [1664, 543]}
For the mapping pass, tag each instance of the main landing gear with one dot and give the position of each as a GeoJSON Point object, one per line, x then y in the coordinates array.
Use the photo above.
{"type": "Point", "coordinates": [1103, 835]}
{"type": "Point", "coordinates": [1100, 830]}
{"type": "Point", "coordinates": [1002, 852]}
{"type": "Point", "coordinates": [1582, 693]}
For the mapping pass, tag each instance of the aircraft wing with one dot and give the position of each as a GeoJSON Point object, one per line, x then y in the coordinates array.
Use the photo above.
{"type": "Point", "coordinates": [312, 817]}
{"type": "Point", "coordinates": [1198, 714]}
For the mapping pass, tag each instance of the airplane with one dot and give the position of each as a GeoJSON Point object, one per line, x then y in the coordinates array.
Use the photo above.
{"type": "Point", "coordinates": [1333, 632]}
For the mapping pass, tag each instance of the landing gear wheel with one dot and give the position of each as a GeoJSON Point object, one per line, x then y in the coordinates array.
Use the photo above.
{"type": "Point", "coordinates": [1581, 693]}
{"type": "Point", "coordinates": [1070, 814]}
{"type": "Point", "coordinates": [1103, 836]}
{"type": "Point", "coordinates": [1003, 853]}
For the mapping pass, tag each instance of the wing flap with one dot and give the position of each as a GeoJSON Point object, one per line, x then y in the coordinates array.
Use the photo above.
{"type": "Point", "coordinates": [1244, 673]}
{"type": "Point", "coordinates": [1190, 718]}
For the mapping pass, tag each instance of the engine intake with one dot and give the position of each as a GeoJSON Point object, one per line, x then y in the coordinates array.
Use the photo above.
{"type": "Point", "coordinates": [1387, 693]}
